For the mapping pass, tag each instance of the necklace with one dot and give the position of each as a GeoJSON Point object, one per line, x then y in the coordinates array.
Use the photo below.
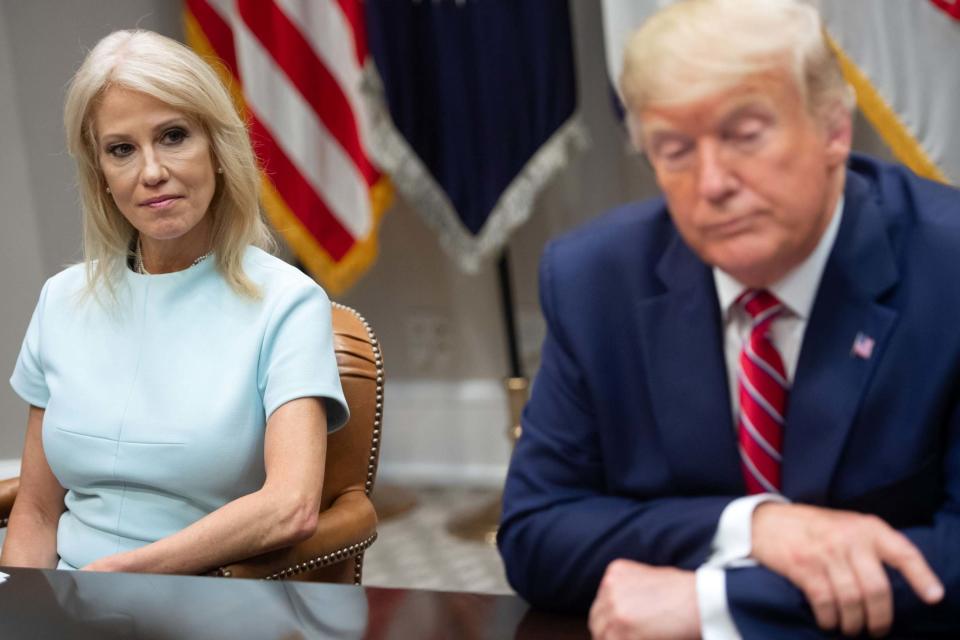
{"type": "Point", "coordinates": [138, 260]}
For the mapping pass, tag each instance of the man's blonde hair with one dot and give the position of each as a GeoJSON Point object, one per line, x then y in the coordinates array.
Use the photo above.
{"type": "Point", "coordinates": [695, 48]}
{"type": "Point", "coordinates": [157, 66]}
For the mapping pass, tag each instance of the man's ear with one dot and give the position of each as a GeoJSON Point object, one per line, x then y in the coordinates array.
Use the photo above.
{"type": "Point", "coordinates": [838, 125]}
{"type": "Point", "coordinates": [634, 131]}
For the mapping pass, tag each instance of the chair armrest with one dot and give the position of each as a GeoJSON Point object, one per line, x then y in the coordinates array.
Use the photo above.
{"type": "Point", "coordinates": [8, 493]}
{"type": "Point", "coordinates": [344, 531]}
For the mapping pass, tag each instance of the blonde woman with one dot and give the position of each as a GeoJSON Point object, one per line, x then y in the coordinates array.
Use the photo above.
{"type": "Point", "coordinates": [181, 380]}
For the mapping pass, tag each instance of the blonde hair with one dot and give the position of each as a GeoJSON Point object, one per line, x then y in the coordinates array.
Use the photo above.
{"type": "Point", "coordinates": [157, 66]}
{"type": "Point", "coordinates": [695, 48]}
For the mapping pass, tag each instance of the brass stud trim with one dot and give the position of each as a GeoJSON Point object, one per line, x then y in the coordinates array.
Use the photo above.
{"type": "Point", "coordinates": [378, 411]}
{"type": "Point", "coordinates": [358, 568]}
{"type": "Point", "coordinates": [328, 559]}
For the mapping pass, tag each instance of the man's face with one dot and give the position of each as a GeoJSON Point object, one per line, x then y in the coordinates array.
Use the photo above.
{"type": "Point", "coordinates": [751, 179]}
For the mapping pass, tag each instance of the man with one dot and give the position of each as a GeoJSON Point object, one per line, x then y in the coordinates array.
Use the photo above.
{"type": "Point", "coordinates": [746, 422]}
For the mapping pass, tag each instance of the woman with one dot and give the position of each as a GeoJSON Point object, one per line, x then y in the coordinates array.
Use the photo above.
{"type": "Point", "coordinates": [181, 380]}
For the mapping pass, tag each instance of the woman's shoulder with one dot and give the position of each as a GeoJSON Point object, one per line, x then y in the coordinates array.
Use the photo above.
{"type": "Point", "coordinates": [276, 277]}
{"type": "Point", "coordinates": [67, 283]}
{"type": "Point", "coordinates": [61, 293]}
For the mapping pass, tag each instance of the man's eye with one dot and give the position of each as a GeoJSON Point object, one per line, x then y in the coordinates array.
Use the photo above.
{"type": "Point", "coordinates": [120, 150]}
{"type": "Point", "coordinates": [174, 136]}
{"type": "Point", "coordinates": [746, 136]}
{"type": "Point", "coordinates": [746, 133]}
{"type": "Point", "coordinates": [674, 150]}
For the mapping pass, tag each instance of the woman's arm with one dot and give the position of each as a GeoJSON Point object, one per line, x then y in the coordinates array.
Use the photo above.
{"type": "Point", "coordinates": [282, 512]}
{"type": "Point", "coordinates": [32, 532]}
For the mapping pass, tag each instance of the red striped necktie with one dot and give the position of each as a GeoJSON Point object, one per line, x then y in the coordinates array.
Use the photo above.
{"type": "Point", "coordinates": [763, 387]}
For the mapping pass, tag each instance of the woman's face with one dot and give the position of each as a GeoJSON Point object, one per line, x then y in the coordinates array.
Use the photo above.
{"type": "Point", "coordinates": [158, 167]}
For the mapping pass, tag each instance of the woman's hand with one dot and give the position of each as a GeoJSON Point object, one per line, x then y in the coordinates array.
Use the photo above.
{"type": "Point", "coordinates": [110, 564]}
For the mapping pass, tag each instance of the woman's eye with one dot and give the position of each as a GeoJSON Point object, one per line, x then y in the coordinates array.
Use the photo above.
{"type": "Point", "coordinates": [120, 150]}
{"type": "Point", "coordinates": [174, 136]}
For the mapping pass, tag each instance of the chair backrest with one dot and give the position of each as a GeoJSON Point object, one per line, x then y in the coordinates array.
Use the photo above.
{"type": "Point", "coordinates": [354, 450]}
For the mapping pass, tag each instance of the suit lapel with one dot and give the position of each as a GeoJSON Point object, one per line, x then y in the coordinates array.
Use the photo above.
{"type": "Point", "coordinates": [831, 378]}
{"type": "Point", "coordinates": [681, 339]}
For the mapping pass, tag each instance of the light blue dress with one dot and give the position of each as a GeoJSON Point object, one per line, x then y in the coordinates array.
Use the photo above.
{"type": "Point", "coordinates": [156, 406]}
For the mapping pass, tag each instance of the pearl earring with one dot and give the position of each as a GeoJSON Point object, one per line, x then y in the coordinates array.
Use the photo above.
{"type": "Point", "coordinates": [108, 190]}
{"type": "Point", "coordinates": [220, 170]}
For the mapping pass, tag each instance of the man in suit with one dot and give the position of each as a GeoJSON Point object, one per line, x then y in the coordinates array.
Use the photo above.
{"type": "Point", "coordinates": [747, 421]}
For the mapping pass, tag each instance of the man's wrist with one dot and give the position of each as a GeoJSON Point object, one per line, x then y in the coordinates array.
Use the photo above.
{"type": "Point", "coordinates": [733, 541]}
{"type": "Point", "coordinates": [732, 546]}
{"type": "Point", "coordinates": [716, 623]}
{"type": "Point", "coordinates": [762, 514]}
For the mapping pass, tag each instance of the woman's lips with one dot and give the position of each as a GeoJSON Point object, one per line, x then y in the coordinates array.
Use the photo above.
{"type": "Point", "coordinates": [161, 202]}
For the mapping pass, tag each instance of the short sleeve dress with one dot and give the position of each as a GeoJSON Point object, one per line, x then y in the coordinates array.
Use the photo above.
{"type": "Point", "coordinates": [156, 406]}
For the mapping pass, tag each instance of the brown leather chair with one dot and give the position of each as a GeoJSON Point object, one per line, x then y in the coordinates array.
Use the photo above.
{"type": "Point", "coordinates": [348, 522]}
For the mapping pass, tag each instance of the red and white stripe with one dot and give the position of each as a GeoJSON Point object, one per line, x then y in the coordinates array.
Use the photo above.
{"type": "Point", "coordinates": [952, 7]}
{"type": "Point", "coordinates": [299, 64]}
{"type": "Point", "coordinates": [763, 388]}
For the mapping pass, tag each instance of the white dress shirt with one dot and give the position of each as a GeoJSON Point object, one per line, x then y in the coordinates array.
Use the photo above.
{"type": "Point", "coordinates": [732, 543]}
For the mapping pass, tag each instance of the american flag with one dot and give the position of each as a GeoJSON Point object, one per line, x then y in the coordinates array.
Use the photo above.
{"type": "Point", "coordinates": [862, 346]}
{"type": "Point", "coordinates": [950, 6]}
{"type": "Point", "coordinates": [897, 55]}
{"type": "Point", "coordinates": [295, 68]}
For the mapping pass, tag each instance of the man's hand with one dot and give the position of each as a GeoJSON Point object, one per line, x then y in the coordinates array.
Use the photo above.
{"type": "Point", "coordinates": [836, 558]}
{"type": "Point", "coordinates": [639, 601]}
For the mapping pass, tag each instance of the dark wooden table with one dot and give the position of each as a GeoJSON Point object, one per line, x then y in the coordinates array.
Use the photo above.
{"type": "Point", "coordinates": [80, 605]}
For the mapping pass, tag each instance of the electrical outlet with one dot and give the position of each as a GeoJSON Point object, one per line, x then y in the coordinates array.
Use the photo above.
{"type": "Point", "coordinates": [427, 341]}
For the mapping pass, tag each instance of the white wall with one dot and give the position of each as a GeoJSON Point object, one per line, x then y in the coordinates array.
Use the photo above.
{"type": "Point", "coordinates": [445, 415]}
{"type": "Point", "coordinates": [21, 266]}
{"type": "Point", "coordinates": [41, 44]}
{"type": "Point", "coordinates": [48, 39]}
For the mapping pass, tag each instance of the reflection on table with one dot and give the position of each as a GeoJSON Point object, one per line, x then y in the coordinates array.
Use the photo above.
{"type": "Point", "coordinates": [80, 605]}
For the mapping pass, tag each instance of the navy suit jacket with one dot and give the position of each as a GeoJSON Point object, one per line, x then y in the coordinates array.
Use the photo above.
{"type": "Point", "coordinates": [629, 447]}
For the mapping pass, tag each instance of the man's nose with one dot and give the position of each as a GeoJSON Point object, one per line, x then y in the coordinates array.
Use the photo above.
{"type": "Point", "coordinates": [716, 181]}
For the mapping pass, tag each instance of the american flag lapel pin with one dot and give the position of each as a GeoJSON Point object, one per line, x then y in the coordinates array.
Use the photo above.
{"type": "Point", "coordinates": [862, 346]}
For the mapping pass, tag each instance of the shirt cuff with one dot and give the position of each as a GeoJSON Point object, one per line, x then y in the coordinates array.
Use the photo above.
{"type": "Point", "coordinates": [733, 542]}
{"type": "Point", "coordinates": [716, 623]}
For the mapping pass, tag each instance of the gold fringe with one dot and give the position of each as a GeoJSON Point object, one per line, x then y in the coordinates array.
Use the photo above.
{"type": "Point", "coordinates": [905, 147]}
{"type": "Point", "coordinates": [336, 276]}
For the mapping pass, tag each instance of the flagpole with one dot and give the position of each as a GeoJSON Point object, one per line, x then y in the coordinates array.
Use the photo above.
{"type": "Point", "coordinates": [482, 524]}
{"type": "Point", "coordinates": [517, 384]}
{"type": "Point", "coordinates": [509, 323]}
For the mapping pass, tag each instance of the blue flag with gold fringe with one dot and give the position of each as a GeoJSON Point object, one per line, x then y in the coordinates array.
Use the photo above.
{"type": "Point", "coordinates": [475, 109]}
